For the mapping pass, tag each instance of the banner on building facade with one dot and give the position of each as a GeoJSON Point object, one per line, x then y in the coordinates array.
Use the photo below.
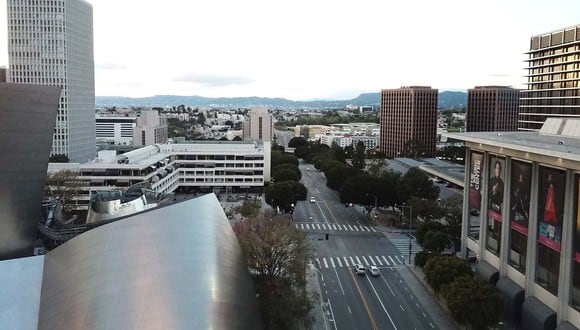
{"type": "Point", "coordinates": [552, 186]}
{"type": "Point", "coordinates": [520, 187]}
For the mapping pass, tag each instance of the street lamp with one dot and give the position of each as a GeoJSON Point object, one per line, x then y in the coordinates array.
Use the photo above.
{"type": "Point", "coordinates": [410, 219]}
{"type": "Point", "coordinates": [375, 196]}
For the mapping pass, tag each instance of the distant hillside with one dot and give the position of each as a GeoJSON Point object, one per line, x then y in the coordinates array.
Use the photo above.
{"type": "Point", "coordinates": [446, 100]}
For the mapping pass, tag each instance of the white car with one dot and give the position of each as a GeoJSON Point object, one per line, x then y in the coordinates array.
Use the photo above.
{"type": "Point", "coordinates": [312, 200]}
{"type": "Point", "coordinates": [374, 271]}
{"type": "Point", "coordinates": [360, 269]}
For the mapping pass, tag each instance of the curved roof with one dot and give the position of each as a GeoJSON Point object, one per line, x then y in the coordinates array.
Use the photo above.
{"type": "Point", "coordinates": [176, 267]}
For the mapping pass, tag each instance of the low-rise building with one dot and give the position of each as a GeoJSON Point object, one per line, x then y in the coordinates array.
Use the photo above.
{"type": "Point", "coordinates": [205, 166]}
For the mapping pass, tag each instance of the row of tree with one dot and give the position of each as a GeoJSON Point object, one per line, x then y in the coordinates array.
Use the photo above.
{"type": "Point", "coordinates": [361, 184]}
{"type": "Point", "coordinates": [285, 190]}
{"type": "Point", "coordinates": [472, 302]}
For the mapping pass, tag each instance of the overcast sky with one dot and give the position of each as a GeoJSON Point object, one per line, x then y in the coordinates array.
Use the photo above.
{"type": "Point", "coordinates": [311, 49]}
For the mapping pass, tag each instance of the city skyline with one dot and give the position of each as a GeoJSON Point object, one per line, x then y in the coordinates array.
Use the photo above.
{"type": "Point", "coordinates": [304, 50]}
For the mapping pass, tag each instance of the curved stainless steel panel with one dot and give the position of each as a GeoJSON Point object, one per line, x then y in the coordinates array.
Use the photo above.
{"type": "Point", "coordinates": [27, 119]}
{"type": "Point", "coordinates": [176, 267]}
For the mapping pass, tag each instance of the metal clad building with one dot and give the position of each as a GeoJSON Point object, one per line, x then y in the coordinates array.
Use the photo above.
{"type": "Point", "coordinates": [27, 117]}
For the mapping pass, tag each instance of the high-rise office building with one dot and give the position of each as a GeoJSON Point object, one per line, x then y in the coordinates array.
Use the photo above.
{"type": "Point", "coordinates": [553, 78]}
{"type": "Point", "coordinates": [51, 43]}
{"type": "Point", "coordinates": [408, 121]}
{"type": "Point", "coordinates": [492, 109]}
{"type": "Point", "coordinates": [258, 125]}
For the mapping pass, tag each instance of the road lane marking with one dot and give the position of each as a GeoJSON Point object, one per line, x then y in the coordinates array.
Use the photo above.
{"type": "Point", "coordinates": [318, 225]}
{"type": "Point", "coordinates": [431, 324]}
{"type": "Point", "coordinates": [344, 227]}
{"type": "Point", "coordinates": [379, 260]}
{"type": "Point", "coordinates": [339, 282]}
{"type": "Point", "coordinates": [388, 286]}
{"type": "Point", "coordinates": [402, 308]}
{"type": "Point", "coordinates": [366, 228]}
{"type": "Point", "coordinates": [357, 260]}
{"type": "Point", "coordinates": [397, 257]}
{"type": "Point", "coordinates": [307, 226]}
{"type": "Point", "coordinates": [338, 260]}
{"type": "Point", "coordinates": [332, 314]}
{"type": "Point", "coordinates": [325, 263]}
{"type": "Point", "coordinates": [386, 261]}
{"type": "Point", "coordinates": [392, 260]}
{"type": "Point", "coordinates": [352, 261]}
{"type": "Point", "coordinates": [349, 309]}
{"type": "Point", "coordinates": [332, 263]}
{"type": "Point", "coordinates": [345, 262]}
{"type": "Point", "coordinates": [349, 226]}
{"type": "Point", "coordinates": [318, 262]}
{"type": "Point", "coordinates": [373, 230]}
{"type": "Point", "coordinates": [365, 260]}
{"type": "Point", "coordinates": [355, 228]}
{"type": "Point", "coordinates": [334, 226]}
{"type": "Point", "coordinates": [372, 261]}
{"type": "Point", "coordinates": [366, 306]}
{"type": "Point", "coordinates": [381, 302]}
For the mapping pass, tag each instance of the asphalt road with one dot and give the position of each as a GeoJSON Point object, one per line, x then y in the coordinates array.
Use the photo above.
{"type": "Point", "coordinates": [357, 301]}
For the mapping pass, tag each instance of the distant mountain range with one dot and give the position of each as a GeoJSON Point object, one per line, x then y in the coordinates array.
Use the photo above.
{"type": "Point", "coordinates": [447, 100]}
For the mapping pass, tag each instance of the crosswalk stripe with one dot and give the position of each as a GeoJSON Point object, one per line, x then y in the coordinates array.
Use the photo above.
{"type": "Point", "coordinates": [297, 226]}
{"type": "Point", "coordinates": [365, 260]}
{"type": "Point", "coordinates": [392, 260]}
{"type": "Point", "coordinates": [349, 226]}
{"type": "Point", "coordinates": [332, 263]}
{"type": "Point", "coordinates": [399, 260]}
{"type": "Point", "coordinates": [334, 227]}
{"type": "Point", "coordinates": [318, 262]}
{"type": "Point", "coordinates": [342, 227]}
{"type": "Point", "coordinates": [379, 260]}
{"type": "Point", "coordinates": [355, 228]}
{"type": "Point", "coordinates": [372, 261]}
{"type": "Point", "coordinates": [325, 263]}
{"type": "Point", "coordinates": [307, 226]}
{"type": "Point", "coordinates": [345, 261]}
{"type": "Point", "coordinates": [386, 261]}
{"type": "Point", "coordinates": [373, 230]}
{"type": "Point", "coordinates": [358, 260]}
{"type": "Point", "coordinates": [365, 228]}
{"type": "Point", "coordinates": [352, 261]}
{"type": "Point", "coordinates": [338, 261]}
{"type": "Point", "coordinates": [318, 225]}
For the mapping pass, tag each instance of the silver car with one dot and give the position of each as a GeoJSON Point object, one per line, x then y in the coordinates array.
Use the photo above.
{"type": "Point", "coordinates": [374, 271]}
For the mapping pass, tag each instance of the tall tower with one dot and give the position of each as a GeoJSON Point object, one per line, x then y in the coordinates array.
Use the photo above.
{"type": "Point", "coordinates": [258, 125]}
{"type": "Point", "coordinates": [492, 109]}
{"type": "Point", "coordinates": [553, 78]}
{"type": "Point", "coordinates": [50, 42]}
{"type": "Point", "coordinates": [408, 121]}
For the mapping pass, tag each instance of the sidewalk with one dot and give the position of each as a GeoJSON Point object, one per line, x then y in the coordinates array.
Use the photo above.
{"type": "Point", "coordinates": [415, 279]}
{"type": "Point", "coordinates": [317, 318]}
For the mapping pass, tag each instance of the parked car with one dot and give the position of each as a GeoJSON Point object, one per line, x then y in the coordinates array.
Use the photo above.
{"type": "Point", "coordinates": [360, 269]}
{"type": "Point", "coordinates": [374, 271]}
{"type": "Point", "coordinates": [312, 200]}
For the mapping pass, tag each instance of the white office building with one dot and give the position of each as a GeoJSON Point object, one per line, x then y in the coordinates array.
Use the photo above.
{"type": "Point", "coordinates": [116, 130]}
{"type": "Point", "coordinates": [258, 125]}
{"type": "Point", "coordinates": [204, 166]}
{"type": "Point", "coordinates": [51, 43]}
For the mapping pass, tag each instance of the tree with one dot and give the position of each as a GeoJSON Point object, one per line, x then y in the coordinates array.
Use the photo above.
{"type": "Point", "coordinates": [58, 158]}
{"type": "Point", "coordinates": [359, 189]}
{"type": "Point", "coordinates": [473, 302]}
{"type": "Point", "coordinates": [427, 209]}
{"type": "Point", "coordinates": [278, 157]}
{"type": "Point", "coordinates": [65, 186]}
{"type": "Point", "coordinates": [414, 149]}
{"type": "Point", "coordinates": [283, 194]}
{"type": "Point", "coordinates": [336, 176]}
{"type": "Point", "coordinates": [358, 159]}
{"type": "Point", "coordinates": [426, 227]}
{"type": "Point", "coordinates": [377, 167]}
{"type": "Point", "coordinates": [416, 183]}
{"type": "Point", "coordinates": [443, 270]}
{"type": "Point", "coordinates": [201, 119]}
{"type": "Point", "coordinates": [287, 167]}
{"type": "Point", "coordinates": [285, 175]}
{"type": "Point", "coordinates": [435, 241]}
{"type": "Point", "coordinates": [337, 152]}
{"type": "Point", "coordinates": [249, 209]}
{"type": "Point", "coordinates": [297, 141]}
{"type": "Point", "coordinates": [278, 253]}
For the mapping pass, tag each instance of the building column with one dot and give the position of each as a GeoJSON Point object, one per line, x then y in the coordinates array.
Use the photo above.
{"type": "Point", "coordinates": [532, 250]}
{"type": "Point", "coordinates": [566, 248]}
{"type": "Point", "coordinates": [465, 213]}
{"type": "Point", "coordinates": [505, 224]}
{"type": "Point", "coordinates": [483, 221]}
